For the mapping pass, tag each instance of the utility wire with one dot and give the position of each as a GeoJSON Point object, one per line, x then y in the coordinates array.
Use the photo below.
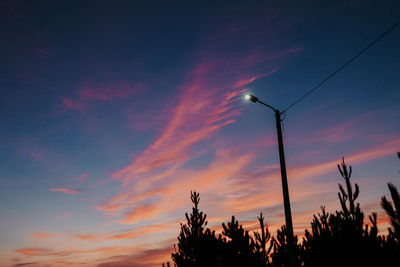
{"type": "Point", "coordinates": [344, 65]}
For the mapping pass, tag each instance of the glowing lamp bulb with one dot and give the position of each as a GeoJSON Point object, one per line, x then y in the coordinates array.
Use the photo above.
{"type": "Point", "coordinates": [251, 98]}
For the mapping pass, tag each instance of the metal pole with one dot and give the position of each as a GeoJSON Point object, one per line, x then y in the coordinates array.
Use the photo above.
{"type": "Point", "coordinates": [285, 189]}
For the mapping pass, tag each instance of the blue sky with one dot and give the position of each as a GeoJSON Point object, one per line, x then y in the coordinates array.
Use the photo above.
{"type": "Point", "coordinates": [112, 112]}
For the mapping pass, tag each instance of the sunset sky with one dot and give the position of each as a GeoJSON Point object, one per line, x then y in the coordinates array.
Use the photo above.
{"type": "Point", "coordinates": [111, 112]}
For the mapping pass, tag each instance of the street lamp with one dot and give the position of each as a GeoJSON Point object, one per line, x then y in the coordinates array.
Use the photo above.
{"type": "Point", "coordinates": [285, 189]}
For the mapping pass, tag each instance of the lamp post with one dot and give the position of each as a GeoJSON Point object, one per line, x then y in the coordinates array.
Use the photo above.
{"type": "Point", "coordinates": [285, 189]}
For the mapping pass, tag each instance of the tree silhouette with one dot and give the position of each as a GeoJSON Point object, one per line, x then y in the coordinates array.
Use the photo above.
{"type": "Point", "coordinates": [342, 237]}
{"type": "Point", "coordinates": [393, 211]}
{"type": "Point", "coordinates": [197, 246]}
{"type": "Point", "coordinates": [263, 243]}
{"type": "Point", "coordinates": [349, 196]}
{"type": "Point", "coordinates": [392, 242]}
{"type": "Point", "coordinates": [239, 246]}
{"type": "Point", "coordinates": [280, 253]}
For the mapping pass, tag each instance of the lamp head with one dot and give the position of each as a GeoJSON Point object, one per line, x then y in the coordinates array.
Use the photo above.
{"type": "Point", "coordinates": [250, 97]}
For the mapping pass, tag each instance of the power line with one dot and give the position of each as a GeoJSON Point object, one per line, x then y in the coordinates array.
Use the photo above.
{"type": "Point", "coordinates": [343, 66]}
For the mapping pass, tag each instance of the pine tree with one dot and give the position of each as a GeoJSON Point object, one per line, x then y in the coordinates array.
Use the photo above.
{"type": "Point", "coordinates": [239, 246]}
{"type": "Point", "coordinates": [392, 242]}
{"type": "Point", "coordinates": [342, 237]}
{"type": "Point", "coordinates": [279, 255]}
{"type": "Point", "coordinates": [197, 246]}
{"type": "Point", "coordinates": [261, 241]}
{"type": "Point", "coordinates": [393, 211]}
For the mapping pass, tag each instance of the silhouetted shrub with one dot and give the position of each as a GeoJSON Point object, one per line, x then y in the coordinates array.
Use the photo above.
{"type": "Point", "coordinates": [391, 243]}
{"type": "Point", "coordinates": [342, 237]}
{"type": "Point", "coordinates": [280, 255]}
{"type": "Point", "coordinates": [393, 211]}
{"type": "Point", "coordinates": [335, 239]}
{"type": "Point", "coordinates": [198, 246]}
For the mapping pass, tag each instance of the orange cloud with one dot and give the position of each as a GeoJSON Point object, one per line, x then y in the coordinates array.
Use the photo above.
{"type": "Point", "coordinates": [313, 170]}
{"type": "Point", "coordinates": [88, 237]}
{"type": "Point", "coordinates": [195, 119]}
{"type": "Point", "coordinates": [218, 174]}
{"type": "Point", "coordinates": [42, 252]}
{"type": "Point", "coordinates": [141, 231]}
{"type": "Point", "coordinates": [34, 251]}
{"type": "Point", "coordinates": [41, 235]}
{"type": "Point", "coordinates": [141, 213]}
{"type": "Point", "coordinates": [148, 257]}
{"type": "Point", "coordinates": [69, 191]}
{"type": "Point", "coordinates": [155, 179]}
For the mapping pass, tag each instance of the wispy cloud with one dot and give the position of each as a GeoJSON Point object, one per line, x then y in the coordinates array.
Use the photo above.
{"type": "Point", "coordinates": [199, 114]}
{"type": "Point", "coordinates": [83, 178]}
{"type": "Point", "coordinates": [88, 237]}
{"type": "Point", "coordinates": [127, 233]}
{"type": "Point", "coordinates": [35, 251]}
{"type": "Point", "coordinates": [364, 155]}
{"type": "Point", "coordinates": [92, 91]}
{"type": "Point", "coordinates": [69, 191]}
{"type": "Point", "coordinates": [41, 235]}
{"type": "Point", "coordinates": [41, 252]}
{"type": "Point", "coordinates": [147, 257]}
{"type": "Point", "coordinates": [154, 181]}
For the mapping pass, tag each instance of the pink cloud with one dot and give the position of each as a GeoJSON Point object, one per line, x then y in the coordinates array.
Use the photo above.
{"type": "Point", "coordinates": [69, 191]}
{"type": "Point", "coordinates": [83, 178]}
{"type": "Point", "coordinates": [199, 114]}
{"type": "Point", "coordinates": [126, 234]}
{"type": "Point", "coordinates": [35, 251]}
{"type": "Point", "coordinates": [141, 213]}
{"type": "Point", "coordinates": [365, 155]}
{"type": "Point", "coordinates": [140, 231]}
{"type": "Point", "coordinates": [169, 197]}
{"type": "Point", "coordinates": [206, 104]}
{"type": "Point", "coordinates": [246, 81]}
{"type": "Point", "coordinates": [68, 104]}
{"type": "Point", "coordinates": [91, 92]}
{"type": "Point", "coordinates": [146, 257]}
{"type": "Point", "coordinates": [50, 160]}
{"type": "Point", "coordinates": [41, 235]}
{"type": "Point", "coordinates": [87, 237]}
{"type": "Point", "coordinates": [258, 57]}
{"type": "Point", "coordinates": [45, 252]}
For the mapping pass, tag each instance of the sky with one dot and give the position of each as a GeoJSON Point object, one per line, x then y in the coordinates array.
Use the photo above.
{"type": "Point", "coordinates": [111, 112]}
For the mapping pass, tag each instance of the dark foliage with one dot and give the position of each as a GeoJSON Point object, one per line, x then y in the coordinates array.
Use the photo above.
{"type": "Point", "coordinates": [392, 242]}
{"type": "Point", "coordinates": [239, 246]}
{"type": "Point", "coordinates": [280, 253]}
{"type": "Point", "coordinates": [393, 211]}
{"type": "Point", "coordinates": [197, 246]}
{"type": "Point", "coordinates": [342, 238]}
{"type": "Point", "coordinates": [342, 235]}
{"type": "Point", "coordinates": [263, 243]}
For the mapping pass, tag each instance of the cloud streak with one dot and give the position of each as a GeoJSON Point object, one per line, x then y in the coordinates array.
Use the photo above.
{"type": "Point", "coordinates": [41, 235]}
{"type": "Point", "coordinates": [155, 179]}
{"type": "Point", "coordinates": [91, 92]}
{"type": "Point", "coordinates": [69, 191]}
